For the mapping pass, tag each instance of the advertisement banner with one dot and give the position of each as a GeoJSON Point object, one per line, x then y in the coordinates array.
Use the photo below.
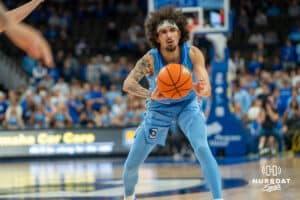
{"type": "Point", "coordinates": [47, 142]}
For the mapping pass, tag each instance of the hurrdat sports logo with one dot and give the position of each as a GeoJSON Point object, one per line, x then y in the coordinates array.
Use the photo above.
{"type": "Point", "coordinates": [271, 179]}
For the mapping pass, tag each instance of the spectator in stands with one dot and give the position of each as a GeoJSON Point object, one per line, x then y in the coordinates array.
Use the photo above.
{"type": "Point", "coordinates": [238, 111]}
{"type": "Point", "coordinates": [241, 97]}
{"type": "Point", "coordinates": [255, 64]}
{"type": "Point", "coordinates": [47, 82]}
{"type": "Point", "coordinates": [14, 120]}
{"type": "Point", "coordinates": [38, 118]}
{"type": "Point", "coordinates": [260, 18]}
{"type": "Point", "coordinates": [130, 117]}
{"type": "Point", "coordinates": [68, 71]}
{"type": "Point", "coordinates": [285, 92]}
{"type": "Point", "coordinates": [269, 117]}
{"type": "Point", "coordinates": [87, 92]}
{"type": "Point", "coordinates": [100, 11]}
{"type": "Point", "coordinates": [112, 94]}
{"type": "Point", "coordinates": [85, 120]}
{"type": "Point", "coordinates": [294, 35]}
{"type": "Point", "coordinates": [39, 72]}
{"type": "Point", "coordinates": [271, 37]}
{"type": "Point", "coordinates": [93, 72]}
{"type": "Point", "coordinates": [13, 105]}
{"type": "Point", "coordinates": [61, 87]}
{"type": "Point", "coordinates": [124, 44]}
{"type": "Point", "coordinates": [124, 68]}
{"type": "Point", "coordinates": [81, 48]}
{"type": "Point", "coordinates": [75, 107]}
{"type": "Point", "coordinates": [118, 111]}
{"type": "Point", "coordinates": [291, 123]}
{"type": "Point", "coordinates": [238, 60]}
{"type": "Point", "coordinates": [294, 8]}
{"type": "Point", "coordinates": [54, 73]}
{"type": "Point", "coordinates": [276, 64]}
{"type": "Point", "coordinates": [261, 51]}
{"type": "Point", "coordinates": [273, 10]}
{"type": "Point", "coordinates": [76, 88]}
{"type": "Point", "coordinates": [295, 75]}
{"type": "Point", "coordinates": [255, 38]}
{"type": "Point", "coordinates": [97, 119]}
{"type": "Point", "coordinates": [28, 64]}
{"type": "Point", "coordinates": [294, 97]}
{"type": "Point", "coordinates": [28, 107]}
{"type": "Point", "coordinates": [60, 117]}
{"type": "Point", "coordinates": [3, 106]}
{"type": "Point", "coordinates": [255, 109]}
{"type": "Point", "coordinates": [298, 53]}
{"type": "Point", "coordinates": [106, 67]}
{"type": "Point", "coordinates": [254, 123]}
{"type": "Point", "coordinates": [97, 99]}
{"type": "Point", "coordinates": [243, 21]}
{"type": "Point", "coordinates": [288, 55]}
{"type": "Point", "coordinates": [134, 31]}
{"type": "Point", "coordinates": [106, 119]}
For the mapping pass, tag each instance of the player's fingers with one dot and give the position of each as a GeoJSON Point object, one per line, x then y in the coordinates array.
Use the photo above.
{"type": "Point", "coordinates": [156, 95]}
{"type": "Point", "coordinates": [33, 51]}
{"type": "Point", "coordinates": [46, 54]}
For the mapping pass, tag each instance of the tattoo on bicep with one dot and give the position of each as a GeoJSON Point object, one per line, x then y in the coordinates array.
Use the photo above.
{"type": "Point", "coordinates": [142, 68]}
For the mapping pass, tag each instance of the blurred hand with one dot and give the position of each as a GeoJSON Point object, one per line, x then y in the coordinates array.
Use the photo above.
{"type": "Point", "coordinates": [201, 88]}
{"type": "Point", "coordinates": [31, 41]}
{"type": "Point", "coordinates": [38, 1]}
{"type": "Point", "coordinates": [156, 95]}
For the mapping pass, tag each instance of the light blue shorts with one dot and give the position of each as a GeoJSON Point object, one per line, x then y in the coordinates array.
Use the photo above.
{"type": "Point", "coordinates": [159, 117]}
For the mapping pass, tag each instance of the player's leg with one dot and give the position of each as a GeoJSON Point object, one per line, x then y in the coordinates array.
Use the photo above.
{"type": "Point", "coordinates": [194, 127]}
{"type": "Point", "coordinates": [138, 153]}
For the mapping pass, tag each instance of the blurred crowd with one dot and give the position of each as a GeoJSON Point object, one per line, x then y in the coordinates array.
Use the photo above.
{"type": "Point", "coordinates": [265, 78]}
{"type": "Point", "coordinates": [96, 44]}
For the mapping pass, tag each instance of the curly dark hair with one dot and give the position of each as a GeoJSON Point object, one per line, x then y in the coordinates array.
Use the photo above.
{"type": "Point", "coordinates": [166, 13]}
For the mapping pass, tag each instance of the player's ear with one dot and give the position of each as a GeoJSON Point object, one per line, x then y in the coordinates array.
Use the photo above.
{"type": "Point", "coordinates": [156, 38]}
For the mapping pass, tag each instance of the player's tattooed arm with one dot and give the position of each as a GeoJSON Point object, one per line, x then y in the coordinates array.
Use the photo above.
{"type": "Point", "coordinates": [142, 68]}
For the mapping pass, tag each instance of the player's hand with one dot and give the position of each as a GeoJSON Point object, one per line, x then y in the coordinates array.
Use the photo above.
{"type": "Point", "coordinates": [31, 41]}
{"type": "Point", "coordinates": [156, 95]}
{"type": "Point", "coordinates": [202, 88]}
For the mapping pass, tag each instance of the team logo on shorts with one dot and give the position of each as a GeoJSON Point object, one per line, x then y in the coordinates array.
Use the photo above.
{"type": "Point", "coordinates": [152, 133]}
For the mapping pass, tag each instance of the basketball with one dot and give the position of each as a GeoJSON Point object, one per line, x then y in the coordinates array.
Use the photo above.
{"type": "Point", "coordinates": [174, 81]}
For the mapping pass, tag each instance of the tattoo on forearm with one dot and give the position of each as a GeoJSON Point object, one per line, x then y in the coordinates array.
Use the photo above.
{"type": "Point", "coordinates": [142, 68]}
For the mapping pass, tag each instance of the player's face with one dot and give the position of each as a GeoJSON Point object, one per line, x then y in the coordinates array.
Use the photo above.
{"type": "Point", "coordinates": [168, 38]}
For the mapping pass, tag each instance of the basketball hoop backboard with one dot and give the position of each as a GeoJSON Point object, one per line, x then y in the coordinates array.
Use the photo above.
{"type": "Point", "coordinates": [210, 16]}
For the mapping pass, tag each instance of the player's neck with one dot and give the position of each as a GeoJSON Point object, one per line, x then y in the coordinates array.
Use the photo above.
{"type": "Point", "coordinates": [171, 56]}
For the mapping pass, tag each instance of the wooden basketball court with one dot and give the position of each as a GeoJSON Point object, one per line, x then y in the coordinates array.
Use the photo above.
{"type": "Point", "coordinates": [161, 178]}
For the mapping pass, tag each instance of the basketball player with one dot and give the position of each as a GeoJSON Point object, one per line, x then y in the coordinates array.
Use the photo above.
{"type": "Point", "coordinates": [24, 36]}
{"type": "Point", "coordinates": [167, 33]}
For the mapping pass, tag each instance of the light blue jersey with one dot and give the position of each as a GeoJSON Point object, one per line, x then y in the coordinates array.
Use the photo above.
{"type": "Point", "coordinates": [159, 63]}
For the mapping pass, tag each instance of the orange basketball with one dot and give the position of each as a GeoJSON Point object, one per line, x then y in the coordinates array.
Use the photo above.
{"type": "Point", "coordinates": [174, 81]}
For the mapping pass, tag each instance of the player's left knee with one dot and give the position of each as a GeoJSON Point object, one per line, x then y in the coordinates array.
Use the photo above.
{"type": "Point", "coordinates": [200, 146]}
